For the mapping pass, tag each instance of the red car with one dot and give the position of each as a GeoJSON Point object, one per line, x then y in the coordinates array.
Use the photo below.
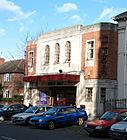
{"type": "Point", "coordinates": [102, 125]}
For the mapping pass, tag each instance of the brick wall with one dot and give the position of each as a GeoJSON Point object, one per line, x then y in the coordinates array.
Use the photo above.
{"type": "Point", "coordinates": [30, 47]}
{"type": "Point", "coordinates": [103, 68]}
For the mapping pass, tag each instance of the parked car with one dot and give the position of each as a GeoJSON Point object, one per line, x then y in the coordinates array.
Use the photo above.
{"type": "Point", "coordinates": [7, 111]}
{"type": "Point", "coordinates": [1, 105]}
{"type": "Point", "coordinates": [23, 118]}
{"type": "Point", "coordinates": [102, 125]}
{"type": "Point", "coordinates": [57, 116]}
{"type": "Point", "coordinates": [119, 130]}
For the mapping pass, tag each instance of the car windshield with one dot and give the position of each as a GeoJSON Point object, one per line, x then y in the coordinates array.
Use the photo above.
{"type": "Point", "coordinates": [1, 105]}
{"type": "Point", "coordinates": [109, 115]}
{"type": "Point", "coordinates": [4, 107]}
{"type": "Point", "coordinates": [31, 109]}
{"type": "Point", "coordinates": [51, 111]}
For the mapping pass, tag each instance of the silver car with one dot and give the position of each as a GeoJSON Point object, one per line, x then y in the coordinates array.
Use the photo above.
{"type": "Point", "coordinates": [119, 130]}
{"type": "Point", "coordinates": [23, 118]}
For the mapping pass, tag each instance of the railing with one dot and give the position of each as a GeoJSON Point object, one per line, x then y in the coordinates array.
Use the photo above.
{"type": "Point", "coordinates": [115, 104]}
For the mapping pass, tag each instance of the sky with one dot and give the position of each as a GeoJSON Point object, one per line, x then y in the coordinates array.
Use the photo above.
{"type": "Point", "coordinates": [23, 20]}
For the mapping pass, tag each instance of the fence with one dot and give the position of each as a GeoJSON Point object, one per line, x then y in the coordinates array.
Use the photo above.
{"type": "Point", "coordinates": [115, 104]}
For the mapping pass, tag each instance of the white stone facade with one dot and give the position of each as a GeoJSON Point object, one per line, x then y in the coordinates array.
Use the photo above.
{"type": "Point", "coordinates": [122, 55]}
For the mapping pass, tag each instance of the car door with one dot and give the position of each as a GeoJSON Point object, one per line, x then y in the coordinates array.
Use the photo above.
{"type": "Point", "coordinates": [60, 117]}
{"type": "Point", "coordinates": [9, 112]}
{"type": "Point", "coordinates": [71, 116]}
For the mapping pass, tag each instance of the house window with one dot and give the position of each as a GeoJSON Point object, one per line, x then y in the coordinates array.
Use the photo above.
{"type": "Point", "coordinates": [103, 94]}
{"type": "Point", "coordinates": [90, 50]}
{"type": "Point", "coordinates": [57, 53]}
{"type": "Point", "coordinates": [31, 59]}
{"type": "Point", "coordinates": [7, 77]}
{"type": "Point", "coordinates": [88, 94]}
{"type": "Point", "coordinates": [6, 95]}
{"type": "Point", "coordinates": [67, 51]}
{"type": "Point", "coordinates": [47, 54]}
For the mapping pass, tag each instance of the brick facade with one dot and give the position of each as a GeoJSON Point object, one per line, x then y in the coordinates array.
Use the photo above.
{"type": "Point", "coordinates": [31, 46]}
{"type": "Point", "coordinates": [105, 67]}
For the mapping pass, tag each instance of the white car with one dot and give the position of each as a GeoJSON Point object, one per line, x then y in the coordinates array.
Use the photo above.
{"type": "Point", "coordinates": [119, 130]}
{"type": "Point", "coordinates": [23, 118]}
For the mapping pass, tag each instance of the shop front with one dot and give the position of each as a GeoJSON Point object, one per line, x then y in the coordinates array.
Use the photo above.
{"type": "Point", "coordinates": [54, 89]}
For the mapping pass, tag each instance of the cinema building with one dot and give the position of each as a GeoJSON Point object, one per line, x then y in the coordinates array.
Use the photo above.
{"type": "Point", "coordinates": [73, 66]}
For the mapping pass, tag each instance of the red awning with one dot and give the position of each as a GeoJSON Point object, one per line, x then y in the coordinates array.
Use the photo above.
{"type": "Point", "coordinates": [54, 77]}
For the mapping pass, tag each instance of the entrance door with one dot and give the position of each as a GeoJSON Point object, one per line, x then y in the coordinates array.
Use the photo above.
{"type": "Point", "coordinates": [70, 99]}
{"type": "Point", "coordinates": [60, 98]}
{"type": "Point", "coordinates": [64, 95]}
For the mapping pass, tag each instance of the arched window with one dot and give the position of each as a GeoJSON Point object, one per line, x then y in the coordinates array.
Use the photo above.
{"type": "Point", "coordinates": [57, 53]}
{"type": "Point", "coordinates": [67, 51]}
{"type": "Point", "coordinates": [47, 54]}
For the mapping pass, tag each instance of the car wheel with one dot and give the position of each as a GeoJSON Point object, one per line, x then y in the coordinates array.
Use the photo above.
{"type": "Point", "coordinates": [1, 118]}
{"type": "Point", "coordinates": [80, 121]}
{"type": "Point", "coordinates": [51, 125]}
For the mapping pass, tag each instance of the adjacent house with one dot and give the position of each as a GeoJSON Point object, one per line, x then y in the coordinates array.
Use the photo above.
{"type": "Point", "coordinates": [12, 73]}
{"type": "Point", "coordinates": [73, 66]}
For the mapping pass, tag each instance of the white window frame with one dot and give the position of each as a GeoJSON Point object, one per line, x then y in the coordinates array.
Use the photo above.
{"type": "Point", "coordinates": [88, 97]}
{"type": "Point", "coordinates": [57, 54]}
{"type": "Point", "coordinates": [30, 59]}
{"type": "Point", "coordinates": [6, 94]}
{"type": "Point", "coordinates": [89, 61]}
{"type": "Point", "coordinates": [47, 55]}
{"type": "Point", "coordinates": [7, 77]}
{"type": "Point", "coordinates": [68, 52]}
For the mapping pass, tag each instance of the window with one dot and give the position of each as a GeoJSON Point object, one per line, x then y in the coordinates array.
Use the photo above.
{"type": "Point", "coordinates": [88, 94]}
{"type": "Point", "coordinates": [57, 53]}
{"type": "Point", "coordinates": [31, 59]}
{"type": "Point", "coordinates": [103, 94]}
{"type": "Point", "coordinates": [6, 93]}
{"type": "Point", "coordinates": [90, 50]}
{"type": "Point", "coordinates": [7, 77]}
{"type": "Point", "coordinates": [67, 51]}
{"type": "Point", "coordinates": [47, 54]}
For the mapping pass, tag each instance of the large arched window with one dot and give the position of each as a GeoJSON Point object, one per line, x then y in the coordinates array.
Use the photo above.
{"type": "Point", "coordinates": [67, 51]}
{"type": "Point", "coordinates": [57, 53]}
{"type": "Point", "coordinates": [47, 54]}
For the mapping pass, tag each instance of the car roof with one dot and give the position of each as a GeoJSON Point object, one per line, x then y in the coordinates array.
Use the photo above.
{"type": "Point", "coordinates": [119, 110]}
{"type": "Point", "coordinates": [41, 106]}
{"type": "Point", "coordinates": [64, 106]}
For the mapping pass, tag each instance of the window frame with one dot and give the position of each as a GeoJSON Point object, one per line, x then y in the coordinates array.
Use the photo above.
{"type": "Point", "coordinates": [102, 99]}
{"type": "Point", "coordinates": [7, 77]}
{"type": "Point", "coordinates": [30, 59]}
{"type": "Point", "coordinates": [57, 54]}
{"type": "Point", "coordinates": [90, 50]}
{"type": "Point", "coordinates": [68, 52]}
{"type": "Point", "coordinates": [47, 55]}
{"type": "Point", "coordinates": [88, 90]}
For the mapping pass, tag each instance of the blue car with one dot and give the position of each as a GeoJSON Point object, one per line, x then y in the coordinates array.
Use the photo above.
{"type": "Point", "coordinates": [60, 115]}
